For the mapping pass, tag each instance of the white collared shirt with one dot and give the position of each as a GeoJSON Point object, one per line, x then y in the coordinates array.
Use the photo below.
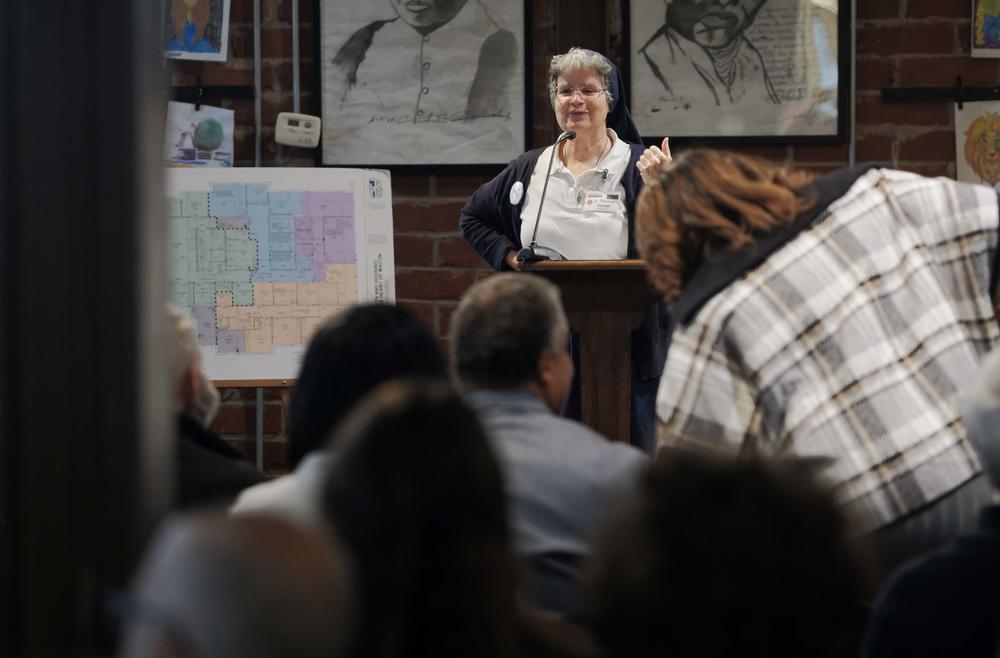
{"type": "Point", "coordinates": [584, 217]}
{"type": "Point", "coordinates": [423, 75]}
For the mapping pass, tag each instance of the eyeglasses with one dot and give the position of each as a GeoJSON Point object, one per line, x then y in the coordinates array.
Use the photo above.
{"type": "Point", "coordinates": [564, 94]}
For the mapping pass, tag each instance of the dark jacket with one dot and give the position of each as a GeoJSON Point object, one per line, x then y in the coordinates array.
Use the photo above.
{"type": "Point", "coordinates": [491, 224]}
{"type": "Point", "coordinates": [944, 603]}
{"type": "Point", "coordinates": [712, 277]}
{"type": "Point", "coordinates": [209, 470]}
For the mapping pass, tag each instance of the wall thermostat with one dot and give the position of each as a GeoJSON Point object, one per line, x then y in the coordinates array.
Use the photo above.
{"type": "Point", "coordinates": [297, 130]}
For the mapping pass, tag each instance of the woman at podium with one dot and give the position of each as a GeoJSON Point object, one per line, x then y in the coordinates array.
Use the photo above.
{"type": "Point", "coordinates": [574, 200]}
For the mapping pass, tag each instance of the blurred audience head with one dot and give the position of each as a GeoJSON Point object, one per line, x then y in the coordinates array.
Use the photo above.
{"type": "Point", "coordinates": [193, 393]}
{"type": "Point", "coordinates": [416, 496]}
{"type": "Point", "coordinates": [712, 557]}
{"type": "Point", "coordinates": [348, 356]}
{"type": "Point", "coordinates": [212, 586]}
{"type": "Point", "coordinates": [980, 409]}
{"type": "Point", "coordinates": [510, 331]}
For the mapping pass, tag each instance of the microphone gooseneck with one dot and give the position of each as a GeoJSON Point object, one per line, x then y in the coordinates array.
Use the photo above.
{"type": "Point", "coordinates": [528, 253]}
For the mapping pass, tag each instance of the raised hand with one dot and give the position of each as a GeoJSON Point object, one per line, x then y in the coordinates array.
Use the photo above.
{"type": "Point", "coordinates": [652, 160]}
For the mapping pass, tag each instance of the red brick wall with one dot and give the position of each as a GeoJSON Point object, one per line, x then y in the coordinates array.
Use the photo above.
{"type": "Point", "coordinates": [899, 42]}
{"type": "Point", "coordinates": [911, 43]}
{"type": "Point", "coordinates": [276, 76]}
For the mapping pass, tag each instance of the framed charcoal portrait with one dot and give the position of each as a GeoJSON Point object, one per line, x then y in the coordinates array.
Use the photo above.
{"type": "Point", "coordinates": [740, 71]}
{"type": "Point", "coordinates": [422, 82]}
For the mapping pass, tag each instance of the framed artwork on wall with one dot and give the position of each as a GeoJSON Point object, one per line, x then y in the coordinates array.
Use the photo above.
{"type": "Point", "coordinates": [985, 28]}
{"type": "Point", "coordinates": [196, 29]}
{"type": "Point", "coordinates": [422, 82]}
{"type": "Point", "coordinates": [976, 128]}
{"type": "Point", "coordinates": [744, 71]}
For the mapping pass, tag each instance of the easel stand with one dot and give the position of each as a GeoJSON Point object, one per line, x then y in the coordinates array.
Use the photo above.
{"type": "Point", "coordinates": [259, 385]}
{"type": "Point", "coordinates": [605, 301]}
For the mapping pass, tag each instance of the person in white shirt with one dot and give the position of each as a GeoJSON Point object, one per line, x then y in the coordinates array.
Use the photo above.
{"type": "Point", "coordinates": [251, 587]}
{"type": "Point", "coordinates": [351, 354]}
{"type": "Point", "coordinates": [587, 211]}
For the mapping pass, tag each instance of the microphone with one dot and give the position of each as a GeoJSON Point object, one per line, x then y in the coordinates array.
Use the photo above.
{"type": "Point", "coordinates": [530, 253]}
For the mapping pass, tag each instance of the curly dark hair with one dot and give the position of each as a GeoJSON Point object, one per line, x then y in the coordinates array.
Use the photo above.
{"type": "Point", "coordinates": [707, 202]}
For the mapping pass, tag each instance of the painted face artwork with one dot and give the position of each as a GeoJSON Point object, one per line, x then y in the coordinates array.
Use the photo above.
{"type": "Point", "coordinates": [427, 15]}
{"type": "Point", "coordinates": [189, 18]}
{"type": "Point", "coordinates": [982, 147]}
{"type": "Point", "coordinates": [712, 23]}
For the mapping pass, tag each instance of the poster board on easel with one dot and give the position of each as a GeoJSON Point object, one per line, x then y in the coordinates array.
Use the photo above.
{"type": "Point", "coordinates": [261, 256]}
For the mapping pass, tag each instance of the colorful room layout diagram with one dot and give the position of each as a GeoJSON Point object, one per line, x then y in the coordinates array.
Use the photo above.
{"type": "Point", "coordinates": [261, 263]}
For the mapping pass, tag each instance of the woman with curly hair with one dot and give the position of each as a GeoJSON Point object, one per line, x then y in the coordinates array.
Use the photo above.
{"type": "Point", "coordinates": [831, 318]}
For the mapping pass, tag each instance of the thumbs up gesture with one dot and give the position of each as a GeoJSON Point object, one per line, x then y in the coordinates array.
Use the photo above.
{"type": "Point", "coordinates": [652, 160]}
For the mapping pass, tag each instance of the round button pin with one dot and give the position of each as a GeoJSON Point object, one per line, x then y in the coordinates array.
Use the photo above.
{"type": "Point", "coordinates": [516, 193]}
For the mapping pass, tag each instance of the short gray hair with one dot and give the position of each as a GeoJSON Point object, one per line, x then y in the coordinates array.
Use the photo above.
{"type": "Point", "coordinates": [181, 338]}
{"type": "Point", "coordinates": [502, 327]}
{"type": "Point", "coordinates": [980, 409]}
{"type": "Point", "coordinates": [575, 60]}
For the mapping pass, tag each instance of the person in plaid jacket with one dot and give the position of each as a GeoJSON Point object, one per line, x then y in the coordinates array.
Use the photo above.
{"type": "Point", "coordinates": [831, 319]}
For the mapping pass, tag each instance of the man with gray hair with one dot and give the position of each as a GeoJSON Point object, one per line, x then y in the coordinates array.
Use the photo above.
{"type": "Point", "coordinates": [509, 352]}
{"type": "Point", "coordinates": [253, 587]}
{"type": "Point", "coordinates": [947, 602]}
{"type": "Point", "coordinates": [209, 470]}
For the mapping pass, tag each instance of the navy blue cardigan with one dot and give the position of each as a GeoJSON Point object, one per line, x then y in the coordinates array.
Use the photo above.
{"type": "Point", "coordinates": [491, 224]}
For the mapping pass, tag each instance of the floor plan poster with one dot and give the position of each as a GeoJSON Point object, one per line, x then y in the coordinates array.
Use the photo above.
{"type": "Point", "coordinates": [260, 257]}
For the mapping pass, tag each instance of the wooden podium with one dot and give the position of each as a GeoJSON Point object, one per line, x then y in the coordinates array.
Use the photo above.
{"type": "Point", "coordinates": [604, 301]}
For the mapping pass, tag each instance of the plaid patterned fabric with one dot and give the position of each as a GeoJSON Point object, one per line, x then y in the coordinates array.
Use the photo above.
{"type": "Point", "coordinates": [849, 344]}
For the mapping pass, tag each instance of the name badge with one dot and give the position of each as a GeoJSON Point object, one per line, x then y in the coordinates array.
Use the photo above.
{"type": "Point", "coordinates": [602, 201]}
